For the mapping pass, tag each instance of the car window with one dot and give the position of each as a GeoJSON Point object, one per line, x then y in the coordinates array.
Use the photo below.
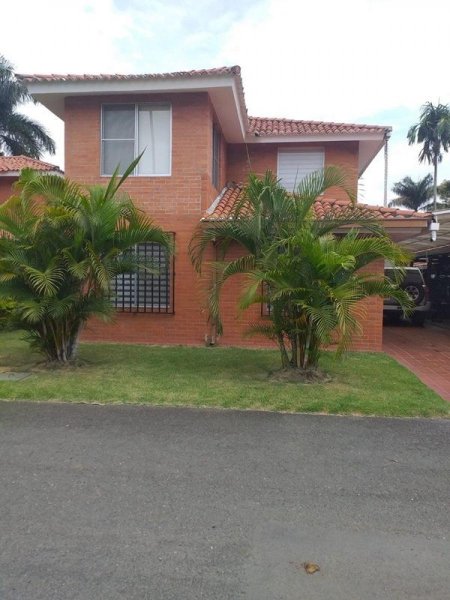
{"type": "Point", "coordinates": [411, 275]}
{"type": "Point", "coordinates": [389, 273]}
{"type": "Point", "coordinates": [415, 276]}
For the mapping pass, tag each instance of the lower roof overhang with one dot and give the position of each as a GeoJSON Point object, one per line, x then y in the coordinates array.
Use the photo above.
{"type": "Point", "coordinates": [224, 92]}
{"type": "Point", "coordinates": [369, 143]}
{"type": "Point", "coordinates": [421, 244]}
{"type": "Point", "coordinates": [399, 230]}
{"type": "Point", "coordinates": [406, 229]}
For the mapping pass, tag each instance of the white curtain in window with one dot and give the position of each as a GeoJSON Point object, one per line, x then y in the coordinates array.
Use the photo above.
{"type": "Point", "coordinates": [154, 138]}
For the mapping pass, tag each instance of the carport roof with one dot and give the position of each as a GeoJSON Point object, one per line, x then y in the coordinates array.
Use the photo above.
{"type": "Point", "coordinates": [422, 244]}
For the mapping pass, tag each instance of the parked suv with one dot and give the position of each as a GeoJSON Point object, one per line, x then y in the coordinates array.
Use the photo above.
{"type": "Point", "coordinates": [414, 284]}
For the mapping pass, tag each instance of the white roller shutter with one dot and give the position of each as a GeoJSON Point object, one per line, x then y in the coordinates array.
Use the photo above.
{"type": "Point", "coordinates": [295, 164]}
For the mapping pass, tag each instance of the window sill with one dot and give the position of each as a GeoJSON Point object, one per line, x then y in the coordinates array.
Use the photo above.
{"type": "Point", "coordinates": [138, 176]}
{"type": "Point", "coordinates": [145, 311]}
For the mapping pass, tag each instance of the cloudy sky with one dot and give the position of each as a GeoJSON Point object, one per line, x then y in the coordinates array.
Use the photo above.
{"type": "Point", "coordinates": [369, 61]}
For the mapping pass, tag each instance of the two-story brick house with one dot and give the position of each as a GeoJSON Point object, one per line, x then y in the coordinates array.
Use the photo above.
{"type": "Point", "coordinates": [197, 139]}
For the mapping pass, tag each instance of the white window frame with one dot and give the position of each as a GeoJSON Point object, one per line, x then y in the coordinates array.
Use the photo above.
{"type": "Point", "coordinates": [298, 150]}
{"type": "Point", "coordinates": [136, 140]}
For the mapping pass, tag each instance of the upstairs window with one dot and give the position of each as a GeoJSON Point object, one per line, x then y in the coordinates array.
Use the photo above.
{"type": "Point", "coordinates": [216, 157]}
{"type": "Point", "coordinates": [128, 130]}
{"type": "Point", "coordinates": [145, 291]}
{"type": "Point", "coordinates": [295, 164]}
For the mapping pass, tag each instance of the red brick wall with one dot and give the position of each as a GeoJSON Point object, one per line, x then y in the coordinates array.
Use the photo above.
{"type": "Point", "coordinates": [236, 321]}
{"type": "Point", "coordinates": [177, 203]}
{"type": "Point", "coordinates": [371, 336]}
{"type": "Point", "coordinates": [258, 158]}
{"type": "Point", "coordinates": [6, 190]}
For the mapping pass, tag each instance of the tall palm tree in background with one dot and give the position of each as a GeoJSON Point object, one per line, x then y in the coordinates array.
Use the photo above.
{"type": "Point", "coordinates": [433, 132]}
{"type": "Point", "coordinates": [18, 133]}
{"type": "Point", "coordinates": [413, 194]}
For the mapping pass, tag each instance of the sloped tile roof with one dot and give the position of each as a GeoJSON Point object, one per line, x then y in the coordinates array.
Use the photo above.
{"type": "Point", "coordinates": [257, 126]}
{"type": "Point", "coordinates": [223, 207]}
{"type": "Point", "coordinates": [260, 126]}
{"type": "Point", "coordinates": [235, 70]}
{"type": "Point", "coordinates": [17, 163]}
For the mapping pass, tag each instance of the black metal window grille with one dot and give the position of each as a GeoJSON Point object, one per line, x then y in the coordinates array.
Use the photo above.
{"type": "Point", "coordinates": [216, 157]}
{"type": "Point", "coordinates": [145, 291]}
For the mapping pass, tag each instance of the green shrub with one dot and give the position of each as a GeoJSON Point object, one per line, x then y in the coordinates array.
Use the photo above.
{"type": "Point", "coordinates": [7, 307]}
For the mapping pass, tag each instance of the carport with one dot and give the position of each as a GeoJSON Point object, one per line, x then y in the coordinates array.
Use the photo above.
{"type": "Point", "coordinates": [435, 258]}
{"type": "Point", "coordinates": [426, 351]}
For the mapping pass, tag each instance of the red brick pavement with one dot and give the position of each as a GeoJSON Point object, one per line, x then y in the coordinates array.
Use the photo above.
{"type": "Point", "coordinates": [423, 350]}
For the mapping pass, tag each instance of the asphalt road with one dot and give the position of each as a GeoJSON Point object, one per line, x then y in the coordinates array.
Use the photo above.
{"type": "Point", "coordinates": [143, 503]}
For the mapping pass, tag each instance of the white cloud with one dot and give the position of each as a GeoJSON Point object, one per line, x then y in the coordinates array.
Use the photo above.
{"type": "Point", "coordinates": [340, 60]}
{"type": "Point", "coordinates": [62, 37]}
{"type": "Point", "coordinates": [347, 61]}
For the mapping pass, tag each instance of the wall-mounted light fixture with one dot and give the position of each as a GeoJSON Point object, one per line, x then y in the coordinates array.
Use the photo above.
{"type": "Point", "coordinates": [434, 228]}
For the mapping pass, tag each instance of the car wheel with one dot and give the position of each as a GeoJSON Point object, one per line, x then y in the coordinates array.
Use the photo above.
{"type": "Point", "coordinates": [415, 292]}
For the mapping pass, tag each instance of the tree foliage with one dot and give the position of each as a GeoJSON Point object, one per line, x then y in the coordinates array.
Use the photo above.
{"type": "Point", "coordinates": [444, 192]}
{"type": "Point", "coordinates": [19, 134]}
{"type": "Point", "coordinates": [61, 247]}
{"type": "Point", "coordinates": [307, 270]}
{"type": "Point", "coordinates": [414, 195]}
{"type": "Point", "coordinates": [433, 132]}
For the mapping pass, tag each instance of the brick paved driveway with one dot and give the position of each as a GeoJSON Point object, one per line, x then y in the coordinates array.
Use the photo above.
{"type": "Point", "coordinates": [423, 350]}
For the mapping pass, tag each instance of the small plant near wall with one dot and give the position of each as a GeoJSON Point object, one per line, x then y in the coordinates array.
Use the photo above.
{"type": "Point", "coordinates": [7, 307]}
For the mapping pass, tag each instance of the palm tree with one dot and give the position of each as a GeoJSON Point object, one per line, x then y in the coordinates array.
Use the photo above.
{"type": "Point", "coordinates": [265, 212]}
{"type": "Point", "coordinates": [413, 194]}
{"type": "Point", "coordinates": [63, 247]}
{"type": "Point", "coordinates": [18, 133]}
{"type": "Point", "coordinates": [444, 193]}
{"type": "Point", "coordinates": [315, 287]}
{"type": "Point", "coordinates": [296, 265]}
{"type": "Point", "coordinates": [433, 132]}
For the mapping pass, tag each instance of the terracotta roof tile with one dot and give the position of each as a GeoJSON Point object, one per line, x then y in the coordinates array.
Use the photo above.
{"type": "Point", "coordinates": [235, 70]}
{"type": "Point", "coordinates": [260, 126]}
{"type": "Point", "coordinates": [223, 207]}
{"type": "Point", "coordinates": [17, 163]}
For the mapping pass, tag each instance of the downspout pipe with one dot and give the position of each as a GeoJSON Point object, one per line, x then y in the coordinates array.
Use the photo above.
{"type": "Point", "coordinates": [387, 135]}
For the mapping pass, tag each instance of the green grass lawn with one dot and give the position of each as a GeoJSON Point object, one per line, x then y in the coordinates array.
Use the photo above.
{"type": "Point", "coordinates": [369, 384]}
